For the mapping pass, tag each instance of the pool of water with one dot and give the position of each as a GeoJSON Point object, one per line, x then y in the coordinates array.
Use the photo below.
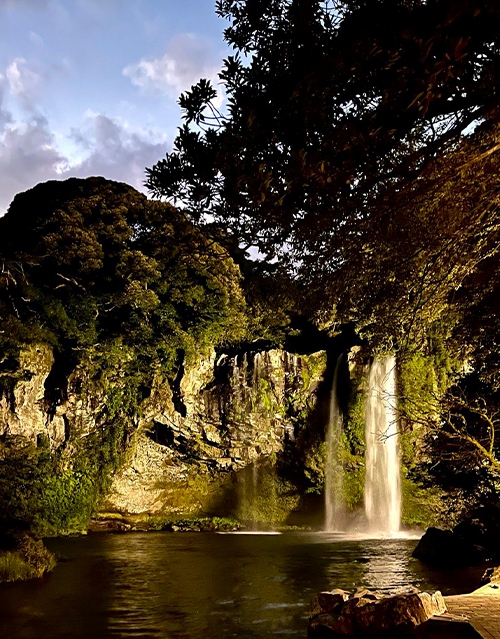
{"type": "Point", "coordinates": [204, 585]}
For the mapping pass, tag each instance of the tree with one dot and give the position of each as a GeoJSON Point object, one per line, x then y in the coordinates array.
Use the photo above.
{"type": "Point", "coordinates": [334, 103]}
{"type": "Point", "coordinates": [88, 262]}
{"type": "Point", "coordinates": [127, 292]}
{"type": "Point", "coordinates": [338, 116]}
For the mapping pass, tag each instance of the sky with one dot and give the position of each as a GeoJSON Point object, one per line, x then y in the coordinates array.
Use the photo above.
{"type": "Point", "coordinates": [90, 87]}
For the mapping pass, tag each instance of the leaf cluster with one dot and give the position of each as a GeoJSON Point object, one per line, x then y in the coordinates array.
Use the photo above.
{"type": "Point", "coordinates": [328, 103]}
{"type": "Point", "coordinates": [88, 262]}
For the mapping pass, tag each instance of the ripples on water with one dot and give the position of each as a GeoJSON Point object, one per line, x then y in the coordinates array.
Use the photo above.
{"type": "Point", "coordinates": [205, 586]}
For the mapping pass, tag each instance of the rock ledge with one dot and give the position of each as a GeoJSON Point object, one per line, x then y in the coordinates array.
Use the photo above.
{"type": "Point", "coordinates": [338, 614]}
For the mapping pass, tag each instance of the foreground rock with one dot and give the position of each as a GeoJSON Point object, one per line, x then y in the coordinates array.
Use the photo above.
{"type": "Point", "coordinates": [473, 541]}
{"type": "Point", "coordinates": [338, 614]}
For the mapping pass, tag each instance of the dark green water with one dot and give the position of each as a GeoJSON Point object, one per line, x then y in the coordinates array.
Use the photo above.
{"type": "Point", "coordinates": [203, 585]}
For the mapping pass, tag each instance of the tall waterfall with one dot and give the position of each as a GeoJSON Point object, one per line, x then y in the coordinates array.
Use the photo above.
{"type": "Point", "coordinates": [383, 475]}
{"type": "Point", "coordinates": [334, 472]}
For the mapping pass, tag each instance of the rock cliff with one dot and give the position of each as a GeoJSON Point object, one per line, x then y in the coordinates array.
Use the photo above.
{"type": "Point", "coordinates": [199, 444]}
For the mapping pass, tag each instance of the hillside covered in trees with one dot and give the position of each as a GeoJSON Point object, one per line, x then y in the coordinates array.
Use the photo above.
{"type": "Point", "coordinates": [359, 153]}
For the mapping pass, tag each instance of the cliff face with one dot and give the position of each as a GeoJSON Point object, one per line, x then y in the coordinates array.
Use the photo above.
{"type": "Point", "coordinates": [23, 409]}
{"type": "Point", "coordinates": [199, 443]}
{"type": "Point", "coordinates": [236, 413]}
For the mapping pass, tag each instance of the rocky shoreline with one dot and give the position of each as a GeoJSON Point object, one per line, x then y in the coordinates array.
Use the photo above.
{"type": "Point", "coordinates": [338, 614]}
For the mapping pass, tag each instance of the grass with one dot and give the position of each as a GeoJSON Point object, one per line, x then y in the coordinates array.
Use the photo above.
{"type": "Point", "coordinates": [28, 560]}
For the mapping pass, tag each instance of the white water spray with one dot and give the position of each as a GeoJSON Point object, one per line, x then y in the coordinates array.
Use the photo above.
{"type": "Point", "coordinates": [383, 473]}
{"type": "Point", "coordinates": [334, 473]}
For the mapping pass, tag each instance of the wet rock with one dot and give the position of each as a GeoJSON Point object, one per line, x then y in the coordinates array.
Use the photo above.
{"type": "Point", "coordinates": [474, 540]}
{"type": "Point", "coordinates": [328, 601]}
{"type": "Point", "coordinates": [447, 548]}
{"type": "Point", "coordinates": [369, 614]}
{"type": "Point", "coordinates": [222, 416]}
{"type": "Point", "coordinates": [366, 594]}
{"type": "Point", "coordinates": [23, 411]}
{"type": "Point", "coordinates": [108, 525]}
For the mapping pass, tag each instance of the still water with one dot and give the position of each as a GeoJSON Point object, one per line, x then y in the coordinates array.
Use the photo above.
{"type": "Point", "coordinates": [204, 585]}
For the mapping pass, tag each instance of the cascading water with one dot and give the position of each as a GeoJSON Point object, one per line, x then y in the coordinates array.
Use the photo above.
{"type": "Point", "coordinates": [383, 480]}
{"type": "Point", "coordinates": [334, 473]}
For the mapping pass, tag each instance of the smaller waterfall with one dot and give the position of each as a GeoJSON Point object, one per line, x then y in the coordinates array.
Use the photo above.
{"type": "Point", "coordinates": [258, 501]}
{"type": "Point", "coordinates": [383, 480]}
{"type": "Point", "coordinates": [334, 472]}
{"type": "Point", "coordinates": [248, 496]}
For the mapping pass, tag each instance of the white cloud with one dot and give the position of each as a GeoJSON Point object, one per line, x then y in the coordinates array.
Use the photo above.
{"type": "Point", "coordinates": [187, 59]}
{"type": "Point", "coordinates": [116, 150]}
{"type": "Point", "coordinates": [34, 149]}
{"type": "Point", "coordinates": [23, 82]}
{"type": "Point", "coordinates": [30, 153]}
{"type": "Point", "coordinates": [5, 116]}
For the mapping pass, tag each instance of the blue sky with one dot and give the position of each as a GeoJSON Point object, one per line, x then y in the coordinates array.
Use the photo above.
{"type": "Point", "coordinates": [90, 87]}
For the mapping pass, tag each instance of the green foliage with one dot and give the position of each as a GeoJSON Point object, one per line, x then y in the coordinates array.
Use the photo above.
{"type": "Point", "coordinates": [53, 493]}
{"type": "Point", "coordinates": [265, 395]}
{"type": "Point", "coordinates": [360, 146]}
{"type": "Point", "coordinates": [314, 369]}
{"type": "Point", "coordinates": [29, 559]}
{"type": "Point", "coordinates": [272, 298]}
{"type": "Point", "coordinates": [96, 263]}
{"type": "Point", "coordinates": [418, 402]}
{"type": "Point", "coordinates": [422, 506]}
{"type": "Point", "coordinates": [127, 291]}
{"type": "Point", "coordinates": [343, 151]}
{"type": "Point", "coordinates": [264, 498]}
{"type": "Point", "coordinates": [148, 522]}
{"type": "Point", "coordinates": [354, 424]}
{"type": "Point", "coordinates": [14, 568]}
{"type": "Point", "coordinates": [36, 555]}
{"type": "Point", "coordinates": [354, 483]}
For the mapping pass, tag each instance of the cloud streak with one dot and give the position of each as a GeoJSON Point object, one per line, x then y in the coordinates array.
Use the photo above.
{"type": "Point", "coordinates": [116, 151]}
{"type": "Point", "coordinates": [28, 155]}
{"type": "Point", "coordinates": [31, 4]}
{"type": "Point", "coordinates": [187, 59]}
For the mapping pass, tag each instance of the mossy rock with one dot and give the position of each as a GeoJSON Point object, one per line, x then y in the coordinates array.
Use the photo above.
{"type": "Point", "coordinates": [28, 559]}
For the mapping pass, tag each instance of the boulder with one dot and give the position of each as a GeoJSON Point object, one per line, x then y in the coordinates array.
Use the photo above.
{"type": "Point", "coordinates": [108, 525]}
{"type": "Point", "coordinates": [328, 602]}
{"type": "Point", "coordinates": [447, 548]}
{"type": "Point", "coordinates": [474, 540]}
{"type": "Point", "coordinates": [366, 613]}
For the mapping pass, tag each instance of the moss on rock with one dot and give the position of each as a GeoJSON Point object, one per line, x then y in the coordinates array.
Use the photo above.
{"type": "Point", "coordinates": [28, 559]}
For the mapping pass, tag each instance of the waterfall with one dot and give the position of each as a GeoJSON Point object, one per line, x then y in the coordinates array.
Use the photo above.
{"type": "Point", "coordinates": [383, 481]}
{"type": "Point", "coordinates": [254, 499]}
{"type": "Point", "coordinates": [334, 472]}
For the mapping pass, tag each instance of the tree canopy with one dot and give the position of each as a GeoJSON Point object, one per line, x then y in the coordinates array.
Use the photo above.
{"type": "Point", "coordinates": [344, 124]}
{"type": "Point", "coordinates": [86, 262]}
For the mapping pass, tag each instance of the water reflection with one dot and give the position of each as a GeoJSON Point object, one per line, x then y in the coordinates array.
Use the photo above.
{"type": "Point", "coordinates": [387, 570]}
{"type": "Point", "coordinates": [202, 585]}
